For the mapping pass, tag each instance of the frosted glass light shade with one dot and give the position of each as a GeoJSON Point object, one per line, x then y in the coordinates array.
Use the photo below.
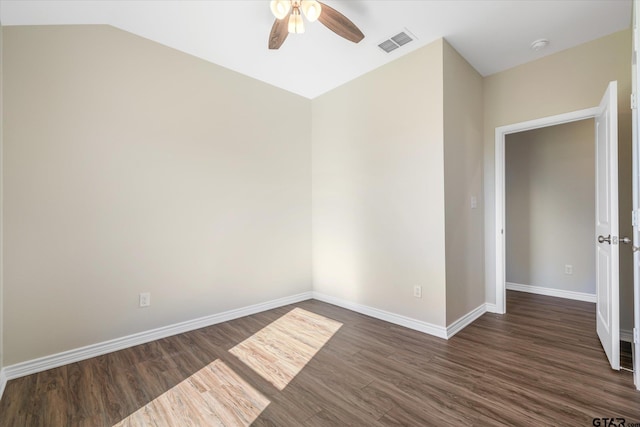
{"type": "Point", "coordinates": [280, 8]}
{"type": "Point", "coordinates": [296, 25]}
{"type": "Point", "coordinates": [311, 9]}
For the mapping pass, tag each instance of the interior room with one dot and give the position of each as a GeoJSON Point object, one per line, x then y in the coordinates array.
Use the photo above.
{"type": "Point", "coordinates": [212, 223]}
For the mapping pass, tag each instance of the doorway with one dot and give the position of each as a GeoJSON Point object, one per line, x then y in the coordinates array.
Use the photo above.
{"type": "Point", "coordinates": [606, 213]}
{"type": "Point", "coordinates": [501, 134]}
{"type": "Point", "coordinates": [550, 211]}
{"type": "Point", "coordinates": [550, 215]}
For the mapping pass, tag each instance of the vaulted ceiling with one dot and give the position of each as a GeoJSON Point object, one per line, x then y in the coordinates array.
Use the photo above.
{"type": "Point", "coordinates": [491, 35]}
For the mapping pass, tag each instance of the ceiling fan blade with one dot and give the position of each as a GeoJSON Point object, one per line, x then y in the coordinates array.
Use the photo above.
{"type": "Point", "coordinates": [339, 24]}
{"type": "Point", "coordinates": [279, 33]}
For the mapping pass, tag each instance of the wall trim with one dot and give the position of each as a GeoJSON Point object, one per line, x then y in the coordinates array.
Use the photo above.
{"type": "Point", "coordinates": [3, 381]}
{"type": "Point", "coordinates": [492, 308]}
{"type": "Point", "coordinates": [466, 320]}
{"type": "Point", "coordinates": [499, 214]}
{"type": "Point", "coordinates": [75, 355]}
{"type": "Point", "coordinates": [397, 319]}
{"type": "Point", "coordinates": [579, 296]}
{"type": "Point", "coordinates": [626, 335]}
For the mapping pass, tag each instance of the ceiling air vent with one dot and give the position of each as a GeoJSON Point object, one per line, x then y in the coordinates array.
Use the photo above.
{"type": "Point", "coordinates": [395, 42]}
{"type": "Point", "coordinates": [388, 46]}
{"type": "Point", "coordinates": [401, 38]}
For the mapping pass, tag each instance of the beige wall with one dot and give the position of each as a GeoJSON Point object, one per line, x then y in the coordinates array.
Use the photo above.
{"type": "Point", "coordinates": [378, 188]}
{"type": "Point", "coordinates": [132, 167]}
{"type": "Point", "coordinates": [550, 207]}
{"type": "Point", "coordinates": [463, 180]}
{"type": "Point", "coordinates": [570, 80]}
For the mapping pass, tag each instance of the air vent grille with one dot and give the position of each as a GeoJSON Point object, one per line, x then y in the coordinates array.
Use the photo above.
{"type": "Point", "coordinates": [401, 39]}
{"type": "Point", "coordinates": [395, 42]}
{"type": "Point", "coordinates": [388, 46]}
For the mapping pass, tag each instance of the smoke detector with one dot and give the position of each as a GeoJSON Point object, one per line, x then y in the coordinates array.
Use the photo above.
{"type": "Point", "coordinates": [539, 44]}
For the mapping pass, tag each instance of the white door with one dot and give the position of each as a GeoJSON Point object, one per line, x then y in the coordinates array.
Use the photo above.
{"type": "Point", "coordinates": [607, 248]}
{"type": "Point", "coordinates": [636, 199]}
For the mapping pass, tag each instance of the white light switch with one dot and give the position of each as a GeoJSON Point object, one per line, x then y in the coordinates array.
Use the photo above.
{"type": "Point", "coordinates": [474, 202]}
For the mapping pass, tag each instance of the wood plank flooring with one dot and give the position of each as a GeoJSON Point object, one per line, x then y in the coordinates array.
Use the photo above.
{"type": "Point", "coordinates": [626, 355]}
{"type": "Point", "coordinates": [540, 364]}
{"type": "Point", "coordinates": [279, 351]}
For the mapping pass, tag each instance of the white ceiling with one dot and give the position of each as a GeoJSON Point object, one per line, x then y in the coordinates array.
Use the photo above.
{"type": "Point", "coordinates": [492, 35]}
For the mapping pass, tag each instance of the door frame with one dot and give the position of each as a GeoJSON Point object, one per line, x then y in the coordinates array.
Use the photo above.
{"type": "Point", "coordinates": [635, 176]}
{"type": "Point", "coordinates": [500, 215]}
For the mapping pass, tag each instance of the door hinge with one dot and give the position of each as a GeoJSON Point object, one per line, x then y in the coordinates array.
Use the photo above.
{"type": "Point", "coordinates": [636, 336]}
{"type": "Point", "coordinates": [633, 101]}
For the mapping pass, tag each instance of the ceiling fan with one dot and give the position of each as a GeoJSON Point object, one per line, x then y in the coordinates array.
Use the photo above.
{"type": "Point", "coordinates": [313, 10]}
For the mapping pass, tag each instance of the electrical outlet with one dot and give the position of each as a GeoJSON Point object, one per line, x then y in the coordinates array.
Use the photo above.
{"type": "Point", "coordinates": [145, 299]}
{"type": "Point", "coordinates": [417, 291]}
{"type": "Point", "coordinates": [568, 269]}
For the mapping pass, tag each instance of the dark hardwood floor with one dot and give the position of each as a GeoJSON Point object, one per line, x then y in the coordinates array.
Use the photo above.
{"type": "Point", "coordinates": [626, 355]}
{"type": "Point", "coordinates": [540, 364]}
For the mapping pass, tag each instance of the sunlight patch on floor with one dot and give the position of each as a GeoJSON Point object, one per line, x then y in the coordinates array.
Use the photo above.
{"type": "Point", "coordinates": [279, 351]}
{"type": "Point", "coordinates": [218, 396]}
{"type": "Point", "coordinates": [213, 396]}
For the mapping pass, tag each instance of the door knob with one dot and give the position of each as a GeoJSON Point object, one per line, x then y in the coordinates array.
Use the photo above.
{"type": "Point", "coordinates": [602, 239]}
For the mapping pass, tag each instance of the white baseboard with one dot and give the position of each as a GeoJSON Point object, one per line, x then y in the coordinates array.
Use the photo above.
{"type": "Point", "coordinates": [626, 335]}
{"type": "Point", "coordinates": [579, 296]}
{"type": "Point", "coordinates": [55, 360]}
{"type": "Point", "coordinates": [466, 320]}
{"type": "Point", "coordinates": [492, 308]}
{"type": "Point", "coordinates": [75, 355]}
{"type": "Point", "coordinates": [3, 381]}
{"type": "Point", "coordinates": [397, 319]}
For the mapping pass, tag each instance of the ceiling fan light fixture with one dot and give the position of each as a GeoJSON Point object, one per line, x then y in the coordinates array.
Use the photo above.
{"type": "Point", "coordinates": [296, 26]}
{"type": "Point", "coordinates": [311, 9]}
{"type": "Point", "coordinates": [280, 8]}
